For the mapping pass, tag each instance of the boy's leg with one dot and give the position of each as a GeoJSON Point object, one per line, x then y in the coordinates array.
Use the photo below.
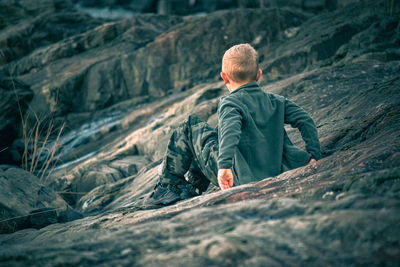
{"type": "Point", "coordinates": [193, 141]}
{"type": "Point", "coordinates": [197, 178]}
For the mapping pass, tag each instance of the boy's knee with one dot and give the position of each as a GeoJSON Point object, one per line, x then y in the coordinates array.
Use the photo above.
{"type": "Point", "coordinates": [192, 120]}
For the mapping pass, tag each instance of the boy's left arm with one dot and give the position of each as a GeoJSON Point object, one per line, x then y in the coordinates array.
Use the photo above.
{"type": "Point", "coordinates": [299, 118]}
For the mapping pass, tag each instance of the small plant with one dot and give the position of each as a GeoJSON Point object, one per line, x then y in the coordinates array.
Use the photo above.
{"type": "Point", "coordinates": [39, 149]}
{"type": "Point", "coordinates": [38, 143]}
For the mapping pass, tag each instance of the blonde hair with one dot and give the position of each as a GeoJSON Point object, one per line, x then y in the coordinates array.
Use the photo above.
{"type": "Point", "coordinates": [240, 63]}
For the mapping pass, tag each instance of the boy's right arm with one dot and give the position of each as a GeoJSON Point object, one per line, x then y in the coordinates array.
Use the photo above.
{"type": "Point", "coordinates": [229, 131]}
{"type": "Point", "coordinates": [299, 118]}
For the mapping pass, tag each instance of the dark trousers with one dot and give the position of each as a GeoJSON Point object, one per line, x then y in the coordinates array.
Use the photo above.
{"type": "Point", "coordinates": [192, 148]}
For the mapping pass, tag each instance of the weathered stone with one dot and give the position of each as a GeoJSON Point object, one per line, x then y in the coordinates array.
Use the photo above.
{"type": "Point", "coordinates": [86, 68]}
{"type": "Point", "coordinates": [133, 60]}
{"type": "Point", "coordinates": [273, 230]}
{"type": "Point", "coordinates": [94, 178]}
{"type": "Point", "coordinates": [338, 38]}
{"type": "Point", "coordinates": [18, 40]}
{"type": "Point", "coordinates": [176, 56]}
{"type": "Point", "coordinates": [125, 193]}
{"type": "Point", "coordinates": [14, 99]}
{"type": "Point", "coordinates": [13, 11]}
{"type": "Point", "coordinates": [341, 210]}
{"type": "Point", "coordinates": [165, 7]}
{"type": "Point", "coordinates": [25, 202]}
{"type": "Point", "coordinates": [130, 165]}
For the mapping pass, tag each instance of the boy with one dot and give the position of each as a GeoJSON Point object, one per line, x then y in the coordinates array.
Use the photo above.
{"type": "Point", "coordinates": [251, 143]}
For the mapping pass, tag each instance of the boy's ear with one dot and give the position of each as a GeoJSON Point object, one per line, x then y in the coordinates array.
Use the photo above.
{"type": "Point", "coordinates": [225, 77]}
{"type": "Point", "coordinates": [259, 74]}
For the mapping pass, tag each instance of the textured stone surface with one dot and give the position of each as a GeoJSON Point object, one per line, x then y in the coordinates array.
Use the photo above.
{"type": "Point", "coordinates": [14, 99]}
{"type": "Point", "coordinates": [342, 67]}
{"type": "Point", "coordinates": [26, 203]}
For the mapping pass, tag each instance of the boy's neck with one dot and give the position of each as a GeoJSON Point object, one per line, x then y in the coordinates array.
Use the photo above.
{"type": "Point", "coordinates": [232, 86]}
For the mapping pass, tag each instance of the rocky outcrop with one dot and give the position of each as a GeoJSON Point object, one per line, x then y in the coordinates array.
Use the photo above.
{"type": "Point", "coordinates": [177, 58]}
{"type": "Point", "coordinates": [132, 58]}
{"type": "Point", "coordinates": [165, 7]}
{"type": "Point", "coordinates": [26, 203]}
{"type": "Point", "coordinates": [135, 57]}
{"type": "Point", "coordinates": [13, 11]}
{"type": "Point", "coordinates": [185, 7]}
{"type": "Point", "coordinates": [338, 41]}
{"type": "Point", "coordinates": [14, 99]}
{"type": "Point", "coordinates": [50, 25]}
{"type": "Point", "coordinates": [342, 67]}
{"type": "Point", "coordinates": [279, 221]}
{"type": "Point", "coordinates": [83, 72]}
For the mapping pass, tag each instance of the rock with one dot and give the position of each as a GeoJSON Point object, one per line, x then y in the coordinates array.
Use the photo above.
{"type": "Point", "coordinates": [341, 67]}
{"type": "Point", "coordinates": [185, 7]}
{"type": "Point", "coordinates": [26, 203]}
{"type": "Point", "coordinates": [14, 99]}
{"type": "Point", "coordinates": [89, 176]}
{"type": "Point", "coordinates": [332, 45]}
{"type": "Point", "coordinates": [127, 192]}
{"type": "Point", "coordinates": [13, 11]}
{"type": "Point", "coordinates": [42, 217]}
{"type": "Point", "coordinates": [367, 43]}
{"type": "Point", "coordinates": [92, 83]}
{"type": "Point", "coordinates": [175, 7]}
{"type": "Point", "coordinates": [168, 61]}
{"type": "Point", "coordinates": [273, 230]}
{"type": "Point", "coordinates": [20, 39]}
{"type": "Point", "coordinates": [130, 165]}
{"type": "Point", "coordinates": [349, 119]}
{"type": "Point", "coordinates": [132, 62]}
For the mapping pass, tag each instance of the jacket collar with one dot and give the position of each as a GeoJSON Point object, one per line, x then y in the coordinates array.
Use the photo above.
{"type": "Point", "coordinates": [247, 86]}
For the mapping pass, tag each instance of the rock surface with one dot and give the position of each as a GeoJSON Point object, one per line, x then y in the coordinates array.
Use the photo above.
{"type": "Point", "coordinates": [14, 99]}
{"type": "Point", "coordinates": [22, 194]}
{"type": "Point", "coordinates": [341, 66]}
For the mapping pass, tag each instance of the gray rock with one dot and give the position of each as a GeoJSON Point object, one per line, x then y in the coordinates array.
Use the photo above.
{"type": "Point", "coordinates": [342, 210]}
{"type": "Point", "coordinates": [86, 177]}
{"type": "Point", "coordinates": [130, 165]}
{"type": "Point", "coordinates": [338, 40]}
{"type": "Point", "coordinates": [13, 11]}
{"type": "Point", "coordinates": [169, 61]}
{"type": "Point", "coordinates": [25, 203]}
{"type": "Point", "coordinates": [47, 27]}
{"type": "Point", "coordinates": [14, 99]}
{"type": "Point", "coordinates": [266, 229]}
{"type": "Point", "coordinates": [127, 58]}
{"type": "Point", "coordinates": [90, 70]}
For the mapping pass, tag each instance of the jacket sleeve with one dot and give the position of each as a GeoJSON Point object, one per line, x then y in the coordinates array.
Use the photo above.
{"type": "Point", "coordinates": [229, 124]}
{"type": "Point", "coordinates": [299, 118]}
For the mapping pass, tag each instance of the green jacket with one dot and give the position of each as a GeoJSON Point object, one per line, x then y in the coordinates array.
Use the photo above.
{"type": "Point", "coordinates": [251, 135]}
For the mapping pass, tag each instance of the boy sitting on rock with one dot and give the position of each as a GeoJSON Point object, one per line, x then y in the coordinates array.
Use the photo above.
{"type": "Point", "coordinates": [251, 143]}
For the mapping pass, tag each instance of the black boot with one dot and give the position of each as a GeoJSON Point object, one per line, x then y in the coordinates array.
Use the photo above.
{"type": "Point", "coordinates": [166, 194]}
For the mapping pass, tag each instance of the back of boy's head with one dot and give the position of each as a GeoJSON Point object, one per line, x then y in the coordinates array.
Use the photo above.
{"type": "Point", "coordinates": [240, 63]}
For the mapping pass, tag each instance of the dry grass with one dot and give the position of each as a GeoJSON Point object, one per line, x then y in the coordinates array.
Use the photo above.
{"type": "Point", "coordinates": [37, 142]}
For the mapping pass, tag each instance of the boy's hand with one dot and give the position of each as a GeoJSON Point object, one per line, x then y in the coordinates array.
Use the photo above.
{"type": "Point", "coordinates": [312, 161]}
{"type": "Point", "coordinates": [225, 178]}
